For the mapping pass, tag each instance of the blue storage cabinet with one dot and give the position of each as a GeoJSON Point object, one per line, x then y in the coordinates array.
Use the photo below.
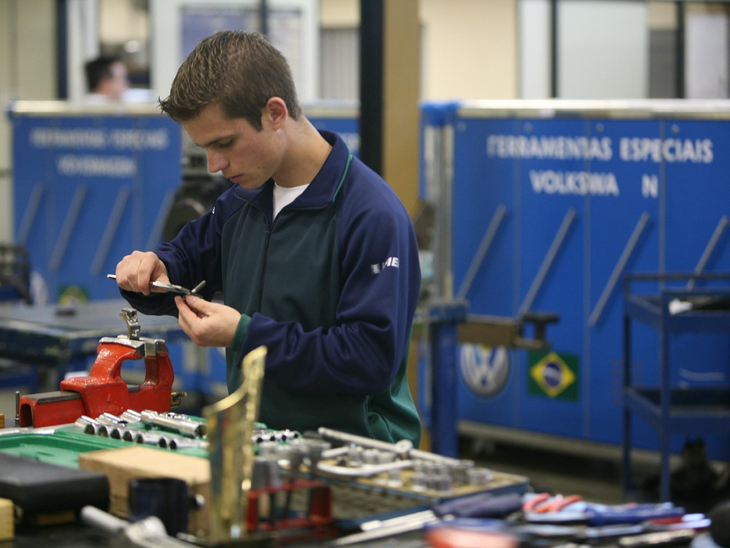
{"type": "Point", "coordinates": [697, 200]}
{"type": "Point", "coordinates": [642, 210]}
{"type": "Point", "coordinates": [481, 185]}
{"type": "Point", "coordinates": [622, 227]}
{"type": "Point", "coordinates": [546, 215]}
{"type": "Point", "coordinates": [89, 188]}
{"type": "Point", "coordinates": [91, 184]}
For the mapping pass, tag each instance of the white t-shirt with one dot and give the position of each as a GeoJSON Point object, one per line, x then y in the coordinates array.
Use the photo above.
{"type": "Point", "coordinates": [283, 196]}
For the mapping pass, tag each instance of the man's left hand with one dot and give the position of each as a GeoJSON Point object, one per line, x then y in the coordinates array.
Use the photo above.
{"type": "Point", "coordinates": [207, 324]}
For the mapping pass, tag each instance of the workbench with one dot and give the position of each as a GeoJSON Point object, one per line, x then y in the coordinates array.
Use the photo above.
{"type": "Point", "coordinates": [63, 338]}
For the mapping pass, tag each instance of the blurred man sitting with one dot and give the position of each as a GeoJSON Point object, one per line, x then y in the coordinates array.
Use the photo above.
{"type": "Point", "coordinates": [106, 78]}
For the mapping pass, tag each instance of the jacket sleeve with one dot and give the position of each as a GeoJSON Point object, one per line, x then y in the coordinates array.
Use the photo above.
{"type": "Point", "coordinates": [379, 289]}
{"type": "Point", "coordinates": [192, 256]}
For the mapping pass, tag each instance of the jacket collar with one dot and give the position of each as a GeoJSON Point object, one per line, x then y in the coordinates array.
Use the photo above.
{"type": "Point", "coordinates": [322, 189]}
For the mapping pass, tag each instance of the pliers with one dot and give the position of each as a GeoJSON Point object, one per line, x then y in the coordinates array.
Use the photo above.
{"type": "Point", "coordinates": [543, 503]}
{"type": "Point", "coordinates": [172, 288]}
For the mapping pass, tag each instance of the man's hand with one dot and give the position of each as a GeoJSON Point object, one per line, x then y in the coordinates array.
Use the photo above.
{"type": "Point", "coordinates": [207, 324]}
{"type": "Point", "coordinates": [136, 271]}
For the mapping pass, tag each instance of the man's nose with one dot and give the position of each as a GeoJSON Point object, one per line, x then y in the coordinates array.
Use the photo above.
{"type": "Point", "coordinates": [216, 162]}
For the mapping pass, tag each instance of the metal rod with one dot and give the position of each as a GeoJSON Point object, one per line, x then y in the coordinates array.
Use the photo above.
{"type": "Point", "coordinates": [365, 471]}
{"type": "Point", "coordinates": [110, 231]}
{"type": "Point", "coordinates": [547, 262]}
{"type": "Point", "coordinates": [30, 213]}
{"type": "Point", "coordinates": [484, 246]}
{"type": "Point", "coordinates": [187, 428]}
{"type": "Point", "coordinates": [400, 448]}
{"type": "Point", "coordinates": [403, 447]}
{"type": "Point", "coordinates": [156, 232]}
{"type": "Point", "coordinates": [419, 521]}
{"type": "Point", "coordinates": [618, 269]}
{"type": "Point", "coordinates": [68, 227]}
{"type": "Point", "coordinates": [719, 229]}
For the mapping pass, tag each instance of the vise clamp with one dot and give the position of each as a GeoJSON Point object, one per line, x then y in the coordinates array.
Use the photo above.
{"type": "Point", "coordinates": [104, 390]}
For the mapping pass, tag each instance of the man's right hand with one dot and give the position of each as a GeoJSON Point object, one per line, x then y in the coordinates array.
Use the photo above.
{"type": "Point", "coordinates": [135, 272]}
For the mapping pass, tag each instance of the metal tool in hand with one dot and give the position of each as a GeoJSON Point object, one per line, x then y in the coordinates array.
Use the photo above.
{"type": "Point", "coordinates": [172, 288]}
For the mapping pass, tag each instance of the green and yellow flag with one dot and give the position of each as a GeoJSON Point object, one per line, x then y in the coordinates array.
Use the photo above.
{"type": "Point", "coordinates": [553, 375]}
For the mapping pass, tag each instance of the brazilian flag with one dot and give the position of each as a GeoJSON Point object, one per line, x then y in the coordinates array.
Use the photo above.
{"type": "Point", "coordinates": [553, 375]}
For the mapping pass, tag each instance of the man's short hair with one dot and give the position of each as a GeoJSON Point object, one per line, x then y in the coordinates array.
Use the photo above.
{"type": "Point", "coordinates": [99, 69]}
{"type": "Point", "coordinates": [240, 71]}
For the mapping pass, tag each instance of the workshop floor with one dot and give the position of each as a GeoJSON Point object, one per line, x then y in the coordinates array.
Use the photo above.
{"type": "Point", "coordinates": [592, 479]}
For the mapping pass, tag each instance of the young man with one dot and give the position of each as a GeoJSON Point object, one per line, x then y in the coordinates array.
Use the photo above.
{"type": "Point", "coordinates": [315, 255]}
{"type": "Point", "coordinates": [106, 78]}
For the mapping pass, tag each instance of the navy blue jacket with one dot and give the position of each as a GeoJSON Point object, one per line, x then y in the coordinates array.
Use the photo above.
{"type": "Point", "coordinates": [329, 287]}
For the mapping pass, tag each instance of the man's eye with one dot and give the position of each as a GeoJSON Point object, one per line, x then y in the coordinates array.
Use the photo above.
{"type": "Point", "coordinates": [224, 144]}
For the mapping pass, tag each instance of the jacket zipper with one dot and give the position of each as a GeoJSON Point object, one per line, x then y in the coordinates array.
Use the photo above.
{"type": "Point", "coordinates": [266, 260]}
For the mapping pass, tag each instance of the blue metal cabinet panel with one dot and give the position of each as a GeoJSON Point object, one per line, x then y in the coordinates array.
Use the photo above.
{"type": "Point", "coordinates": [160, 175]}
{"type": "Point", "coordinates": [34, 193]}
{"type": "Point", "coordinates": [104, 181]}
{"type": "Point", "coordinates": [88, 183]}
{"type": "Point", "coordinates": [545, 200]}
{"type": "Point", "coordinates": [481, 184]}
{"type": "Point", "coordinates": [697, 164]}
{"type": "Point", "coordinates": [612, 221]}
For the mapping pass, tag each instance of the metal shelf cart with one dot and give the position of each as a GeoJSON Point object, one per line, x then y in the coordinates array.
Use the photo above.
{"type": "Point", "coordinates": [670, 409]}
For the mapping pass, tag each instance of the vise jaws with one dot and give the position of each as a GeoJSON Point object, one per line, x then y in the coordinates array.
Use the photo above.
{"type": "Point", "coordinates": [104, 390]}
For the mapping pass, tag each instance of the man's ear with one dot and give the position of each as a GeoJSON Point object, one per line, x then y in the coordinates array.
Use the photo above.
{"type": "Point", "coordinates": [277, 113]}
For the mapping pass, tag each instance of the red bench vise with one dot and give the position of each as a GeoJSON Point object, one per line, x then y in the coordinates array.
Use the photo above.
{"type": "Point", "coordinates": [104, 390]}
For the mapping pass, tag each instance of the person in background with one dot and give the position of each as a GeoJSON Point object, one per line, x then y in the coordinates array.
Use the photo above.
{"type": "Point", "coordinates": [314, 253]}
{"type": "Point", "coordinates": [106, 78]}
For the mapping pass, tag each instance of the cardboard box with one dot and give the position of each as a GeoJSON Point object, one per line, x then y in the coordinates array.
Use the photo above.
{"type": "Point", "coordinates": [122, 465]}
{"type": "Point", "coordinates": [7, 519]}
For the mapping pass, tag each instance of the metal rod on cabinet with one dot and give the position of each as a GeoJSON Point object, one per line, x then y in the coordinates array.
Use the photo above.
{"type": "Point", "coordinates": [719, 229]}
{"type": "Point", "coordinates": [68, 226]}
{"type": "Point", "coordinates": [484, 246]}
{"type": "Point", "coordinates": [547, 262]}
{"type": "Point", "coordinates": [30, 213]}
{"type": "Point", "coordinates": [110, 231]}
{"type": "Point", "coordinates": [619, 269]}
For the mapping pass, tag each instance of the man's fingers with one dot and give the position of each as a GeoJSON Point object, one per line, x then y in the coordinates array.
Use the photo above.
{"type": "Point", "coordinates": [184, 317]}
{"type": "Point", "coordinates": [147, 265]}
{"type": "Point", "coordinates": [136, 271]}
{"type": "Point", "coordinates": [184, 310]}
{"type": "Point", "coordinates": [200, 306]}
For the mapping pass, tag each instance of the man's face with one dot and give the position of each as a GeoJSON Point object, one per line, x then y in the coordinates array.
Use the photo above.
{"type": "Point", "coordinates": [118, 83]}
{"type": "Point", "coordinates": [245, 156]}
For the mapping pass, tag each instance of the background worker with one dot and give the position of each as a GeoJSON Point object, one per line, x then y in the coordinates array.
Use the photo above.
{"type": "Point", "coordinates": [314, 253]}
{"type": "Point", "coordinates": [106, 78]}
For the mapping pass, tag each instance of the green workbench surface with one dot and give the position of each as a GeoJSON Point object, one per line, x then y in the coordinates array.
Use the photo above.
{"type": "Point", "coordinates": [64, 445]}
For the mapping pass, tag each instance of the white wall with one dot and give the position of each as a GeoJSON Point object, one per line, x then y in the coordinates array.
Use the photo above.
{"type": "Point", "coordinates": [469, 47]}
{"type": "Point", "coordinates": [27, 71]}
{"type": "Point", "coordinates": [535, 61]}
{"type": "Point", "coordinates": [603, 50]}
{"type": "Point", "coordinates": [706, 55]}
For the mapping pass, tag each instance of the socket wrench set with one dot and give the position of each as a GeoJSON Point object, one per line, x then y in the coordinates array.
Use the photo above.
{"type": "Point", "coordinates": [370, 478]}
{"type": "Point", "coordinates": [168, 430]}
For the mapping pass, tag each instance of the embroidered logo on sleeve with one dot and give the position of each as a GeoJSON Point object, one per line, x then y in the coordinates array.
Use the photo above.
{"type": "Point", "coordinates": [377, 268]}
